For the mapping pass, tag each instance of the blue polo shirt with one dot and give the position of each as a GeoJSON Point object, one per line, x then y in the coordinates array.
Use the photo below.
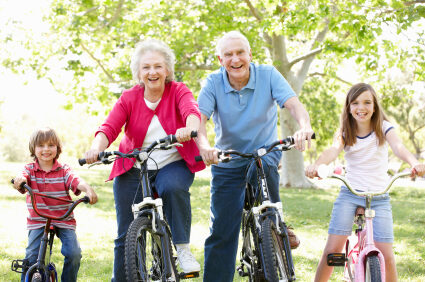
{"type": "Point", "coordinates": [244, 120]}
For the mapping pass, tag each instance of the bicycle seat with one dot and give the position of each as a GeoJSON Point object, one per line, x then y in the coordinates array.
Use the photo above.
{"type": "Point", "coordinates": [360, 210]}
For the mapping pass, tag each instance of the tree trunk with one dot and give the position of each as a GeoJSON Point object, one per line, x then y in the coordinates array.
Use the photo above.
{"type": "Point", "coordinates": [292, 172]}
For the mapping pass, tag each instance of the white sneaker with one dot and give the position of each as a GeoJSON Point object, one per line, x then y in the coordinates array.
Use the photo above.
{"type": "Point", "coordinates": [186, 260]}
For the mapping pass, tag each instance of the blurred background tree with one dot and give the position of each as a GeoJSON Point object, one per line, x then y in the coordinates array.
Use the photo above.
{"type": "Point", "coordinates": [321, 47]}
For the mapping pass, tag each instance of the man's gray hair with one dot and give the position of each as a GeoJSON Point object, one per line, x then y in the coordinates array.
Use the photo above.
{"type": "Point", "coordinates": [230, 35]}
{"type": "Point", "coordinates": [152, 45]}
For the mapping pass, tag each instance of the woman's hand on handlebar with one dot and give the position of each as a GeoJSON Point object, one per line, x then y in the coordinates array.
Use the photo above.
{"type": "Point", "coordinates": [92, 156]}
{"type": "Point", "coordinates": [184, 134]}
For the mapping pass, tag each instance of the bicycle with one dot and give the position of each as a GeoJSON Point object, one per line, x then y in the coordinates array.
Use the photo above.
{"type": "Point", "coordinates": [148, 249]}
{"type": "Point", "coordinates": [43, 270]}
{"type": "Point", "coordinates": [364, 261]}
{"type": "Point", "coordinates": [266, 252]}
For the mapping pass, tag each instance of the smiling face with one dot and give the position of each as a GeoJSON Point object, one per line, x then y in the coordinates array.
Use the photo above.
{"type": "Point", "coordinates": [363, 107]}
{"type": "Point", "coordinates": [153, 71]}
{"type": "Point", "coordinates": [46, 152]}
{"type": "Point", "coordinates": [235, 57]}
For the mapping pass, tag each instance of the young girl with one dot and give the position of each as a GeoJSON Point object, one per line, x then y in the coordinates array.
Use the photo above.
{"type": "Point", "coordinates": [46, 175]}
{"type": "Point", "coordinates": [363, 135]}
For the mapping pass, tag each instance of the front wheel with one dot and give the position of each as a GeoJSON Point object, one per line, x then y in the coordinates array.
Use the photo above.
{"type": "Point", "coordinates": [274, 255]}
{"type": "Point", "coordinates": [373, 269]}
{"type": "Point", "coordinates": [146, 251]}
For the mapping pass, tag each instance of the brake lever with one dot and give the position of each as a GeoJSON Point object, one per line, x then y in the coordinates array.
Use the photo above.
{"type": "Point", "coordinates": [168, 146]}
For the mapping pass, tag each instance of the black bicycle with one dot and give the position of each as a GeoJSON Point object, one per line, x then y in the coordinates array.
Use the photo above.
{"type": "Point", "coordinates": [43, 270]}
{"type": "Point", "coordinates": [148, 244]}
{"type": "Point", "coordinates": [266, 251]}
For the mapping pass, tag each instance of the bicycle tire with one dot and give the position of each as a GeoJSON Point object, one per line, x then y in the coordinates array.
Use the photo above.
{"type": "Point", "coordinates": [144, 254]}
{"type": "Point", "coordinates": [250, 253]}
{"type": "Point", "coordinates": [373, 269]}
{"type": "Point", "coordinates": [274, 256]}
{"type": "Point", "coordinates": [36, 277]}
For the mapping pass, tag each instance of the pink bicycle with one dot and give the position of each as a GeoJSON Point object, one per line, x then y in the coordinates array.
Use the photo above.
{"type": "Point", "coordinates": [363, 261]}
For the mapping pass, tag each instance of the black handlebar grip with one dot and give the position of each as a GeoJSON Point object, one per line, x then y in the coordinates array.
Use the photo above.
{"type": "Point", "coordinates": [194, 134]}
{"type": "Point", "coordinates": [86, 199]}
{"type": "Point", "coordinates": [82, 161]}
{"type": "Point", "coordinates": [313, 136]}
{"type": "Point", "coordinates": [198, 158]}
{"type": "Point", "coordinates": [12, 181]}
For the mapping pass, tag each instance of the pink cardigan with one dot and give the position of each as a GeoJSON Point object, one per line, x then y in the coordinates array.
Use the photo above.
{"type": "Point", "coordinates": [131, 111]}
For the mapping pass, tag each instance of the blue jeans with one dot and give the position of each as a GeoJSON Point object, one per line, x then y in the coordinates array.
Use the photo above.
{"type": "Point", "coordinates": [227, 200]}
{"type": "Point", "coordinates": [70, 250]}
{"type": "Point", "coordinates": [172, 182]}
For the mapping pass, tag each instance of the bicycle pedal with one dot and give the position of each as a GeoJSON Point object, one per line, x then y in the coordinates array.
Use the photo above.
{"type": "Point", "coordinates": [19, 264]}
{"type": "Point", "coordinates": [241, 271]}
{"type": "Point", "coordinates": [189, 275]}
{"type": "Point", "coordinates": [336, 259]}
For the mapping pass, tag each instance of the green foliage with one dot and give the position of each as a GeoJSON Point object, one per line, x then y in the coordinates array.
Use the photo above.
{"type": "Point", "coordinates": [324, 109]}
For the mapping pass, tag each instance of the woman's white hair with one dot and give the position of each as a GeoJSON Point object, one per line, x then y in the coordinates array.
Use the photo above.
{"type": "Point", "coordinates": [230, 35]}
{"type": "Point", "coordinates": [152, 45]}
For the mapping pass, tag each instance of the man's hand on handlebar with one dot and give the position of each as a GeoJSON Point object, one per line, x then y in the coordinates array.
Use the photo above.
{"type": "Point", "coordinates": [301, 136]}
{"type": "Point", "coordinates": [209, 155]}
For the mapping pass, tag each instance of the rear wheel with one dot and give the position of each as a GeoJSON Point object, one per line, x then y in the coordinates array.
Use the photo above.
{"type": "Point", "coordinates": [373, 269]}
{"type": "Point", "coordinates": [275, 258]}
{"type": "Point", "coordinates": [144, 254]}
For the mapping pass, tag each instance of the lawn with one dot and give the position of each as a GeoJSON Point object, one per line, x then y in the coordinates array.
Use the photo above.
{"type": "Point", "coordinates": [308, 211]}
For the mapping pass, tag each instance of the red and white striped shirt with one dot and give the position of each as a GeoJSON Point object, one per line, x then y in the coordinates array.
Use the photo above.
{"type": "Point", "coordinates": [57, 182]}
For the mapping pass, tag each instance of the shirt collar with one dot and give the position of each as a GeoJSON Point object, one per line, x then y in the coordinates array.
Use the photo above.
{"type": "Point", "coordinates": [251, 82]}
{"type": "Point", "coordinates": [56, 166]}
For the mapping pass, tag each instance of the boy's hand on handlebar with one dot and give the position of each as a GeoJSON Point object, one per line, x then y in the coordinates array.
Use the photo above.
{"type": "Point", "coordinates": [92, 156]}
{"type": "Point", "coordinates": [301, 136]}
{"type": "Point", "coordinates": [209, 155]}
{"type": "Point", "coordinates": [92, 196]}
{"type": "Point", "coordinates": [183, 134]}
{"type": "Point", "coordinates": [311, 171]}
{"type": "Point", "coordinates": [18, 180]}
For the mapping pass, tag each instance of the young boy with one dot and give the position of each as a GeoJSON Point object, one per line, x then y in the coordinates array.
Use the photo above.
{"type": "Point", "coordinates": [48, 176]}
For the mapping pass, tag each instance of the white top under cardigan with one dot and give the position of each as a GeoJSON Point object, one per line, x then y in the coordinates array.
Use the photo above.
{"type": "Point", "coordinates": [155, 132]}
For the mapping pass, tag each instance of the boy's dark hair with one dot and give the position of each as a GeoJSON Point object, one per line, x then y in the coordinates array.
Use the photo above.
{"type": "Point", "coordinates": [44, 135]}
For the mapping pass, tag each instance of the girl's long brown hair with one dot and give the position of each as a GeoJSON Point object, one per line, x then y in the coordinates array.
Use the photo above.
{"type": "Point", "coordinates": [348, 128]}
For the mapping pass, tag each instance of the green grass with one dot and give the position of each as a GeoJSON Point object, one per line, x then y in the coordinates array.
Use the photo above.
{"type": "Point", "coordinates": [308, 211]}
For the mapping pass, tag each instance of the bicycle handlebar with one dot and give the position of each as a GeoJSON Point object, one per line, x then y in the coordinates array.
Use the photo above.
{"type": "Point", "coordinates": [327, 173]}
{"type": "Point", "coordinates": [23, 185]}
{"type": "Point", "coordinates": [287, 143]}
{"type": "Point", "coordinates": [166, 142]}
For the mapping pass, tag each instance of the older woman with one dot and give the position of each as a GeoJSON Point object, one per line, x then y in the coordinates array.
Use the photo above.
{"type": "Point", "coordinates": [157, 106]}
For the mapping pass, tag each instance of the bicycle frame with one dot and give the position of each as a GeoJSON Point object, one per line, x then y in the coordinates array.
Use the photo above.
{"type": "Point", "coordinates": [150, 207]}
{"type": "Point", "coordinates": [259, 207]}
{"type": "Point", "coordinates": [365, 244]}
{"type": "Point", "coordinates": [47, 238]}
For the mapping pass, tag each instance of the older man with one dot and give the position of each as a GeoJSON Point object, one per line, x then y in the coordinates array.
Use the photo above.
{"type": "Point", "coordinates": [242, 98]}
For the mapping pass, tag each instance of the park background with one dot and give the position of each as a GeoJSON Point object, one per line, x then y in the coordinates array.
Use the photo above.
{"type": "Point", "coordinates": [64, 63]}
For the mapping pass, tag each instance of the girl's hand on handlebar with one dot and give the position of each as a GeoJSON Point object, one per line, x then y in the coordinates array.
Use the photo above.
{"type": "Point", "coordinates": [419, 170]}
{"type": "Point", "coordinates": [92, 156]}
{"type": "Point", "coordinates": [183, 134]}
{"type": "Point", "coordinates": [311, 171]}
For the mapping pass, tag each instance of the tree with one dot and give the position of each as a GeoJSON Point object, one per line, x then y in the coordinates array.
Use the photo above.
{"type": "Point", "coordinates": [96, 37]}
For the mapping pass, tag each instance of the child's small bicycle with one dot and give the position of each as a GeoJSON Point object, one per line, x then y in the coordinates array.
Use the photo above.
{"type": "Point", "coordinates": [364, 261]}
{"type": "Point", "coordinates": [43, 270]}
